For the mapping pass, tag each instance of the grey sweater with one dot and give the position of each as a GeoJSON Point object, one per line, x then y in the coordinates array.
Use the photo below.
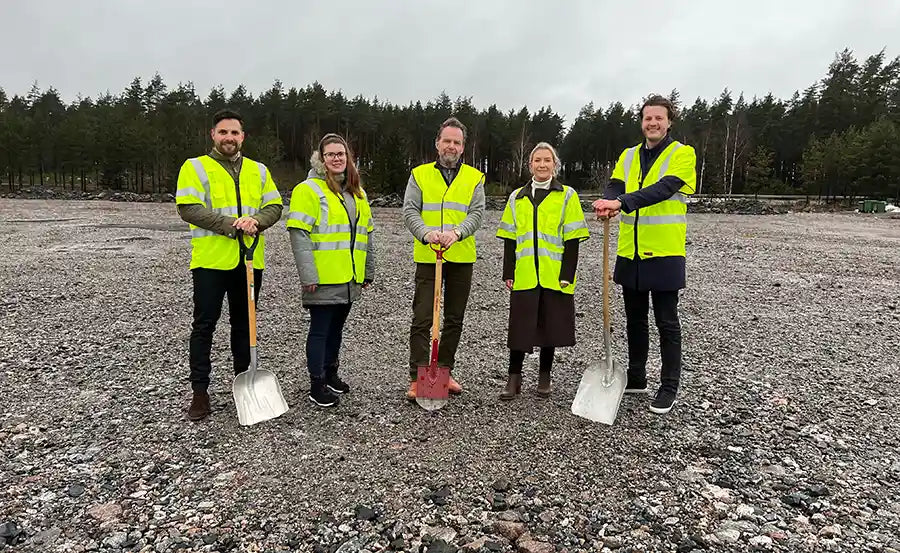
{"type": "Point", "coordinates": [329, 294]}
{"type": "Point", "coordinates": [412, 208]}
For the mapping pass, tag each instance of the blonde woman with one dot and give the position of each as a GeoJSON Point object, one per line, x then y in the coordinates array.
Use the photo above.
{"type": "Point", "coordinates": [541, 228]}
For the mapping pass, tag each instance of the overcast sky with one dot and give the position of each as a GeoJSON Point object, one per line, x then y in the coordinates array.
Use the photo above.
{"type": "Point", "coordinates": [509, 52]}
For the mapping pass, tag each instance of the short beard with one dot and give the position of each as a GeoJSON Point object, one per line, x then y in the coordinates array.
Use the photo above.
{"type": "Point", "coordinates": [449, 160]}
{"type": "Point", "coordinates": [237, 150]}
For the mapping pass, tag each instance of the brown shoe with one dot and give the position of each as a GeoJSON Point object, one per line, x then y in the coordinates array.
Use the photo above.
{"type": "Point", "coordinates": [543, 388]}
{"type": "Point", "coordinates": [453, 387]}
{"type": "Point", "coordinates": [513, 387]}
{"type": "Point", "coordinates": [411, 393]}
{"type": "Point", "coordinates": [199, 408]}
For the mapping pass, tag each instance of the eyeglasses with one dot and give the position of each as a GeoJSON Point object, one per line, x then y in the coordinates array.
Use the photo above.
{"type": "Point", "coordinates": [335, 155]}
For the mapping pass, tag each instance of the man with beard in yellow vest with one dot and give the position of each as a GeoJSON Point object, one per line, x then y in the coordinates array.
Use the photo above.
{"type": "Point", "coordinates": [444, 205]}
{"type": "Point", "coordinates": [220, 194]}
{"type": "Point", "coordinates": [650, 185]}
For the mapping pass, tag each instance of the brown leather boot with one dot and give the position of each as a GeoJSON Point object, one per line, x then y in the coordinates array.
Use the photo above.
{"type": "Point", "coordinates": [513, 387]}
{"type": "Point", "coordinates": [543, 388]}
{"type": "Point", "coordinates": [199, 408]}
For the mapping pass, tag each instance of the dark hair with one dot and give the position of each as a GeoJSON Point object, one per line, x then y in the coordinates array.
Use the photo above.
{"type": "Point", "coordinates": [661, 101]}
{"type": "Point", "coordinates": [452, 122]}
{"type": "Point", "coordinates": [227, 114]}
{"type": "Point", "coordinates": [351, 179]}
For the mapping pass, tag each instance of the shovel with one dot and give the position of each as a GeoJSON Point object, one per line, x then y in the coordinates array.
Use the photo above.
{"type": "Point", "coordinates": [257, 394]}
{"type": "Point", "coordinates": [603, 383]}
{"type": "Point", "coordinates": [432, 388]}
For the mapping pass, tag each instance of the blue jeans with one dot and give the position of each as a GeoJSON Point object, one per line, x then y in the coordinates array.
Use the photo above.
{"type": "Point", "coordinates": [323, 343]}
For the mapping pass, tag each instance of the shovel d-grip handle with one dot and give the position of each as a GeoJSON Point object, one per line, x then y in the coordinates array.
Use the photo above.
{"type": "Point", "coordinates": [245, 249]}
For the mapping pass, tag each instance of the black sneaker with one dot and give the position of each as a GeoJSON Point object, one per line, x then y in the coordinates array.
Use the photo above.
{"type": "Point", "coordinates": [336, 385]}
{"type": "Point", "coordinates": [636, 384]}
{"type": "Point", "coordinates": [663, 402]}
{"type": "Point", "coordinates": [322, 396]}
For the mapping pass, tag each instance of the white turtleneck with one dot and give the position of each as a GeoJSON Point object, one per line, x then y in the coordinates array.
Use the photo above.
{"type": "Point", "coordinates": [544, 185]}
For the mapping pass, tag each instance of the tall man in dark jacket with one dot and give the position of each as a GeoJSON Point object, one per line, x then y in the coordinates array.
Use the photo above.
{"type": "Point", "coordinates": [650, 185]}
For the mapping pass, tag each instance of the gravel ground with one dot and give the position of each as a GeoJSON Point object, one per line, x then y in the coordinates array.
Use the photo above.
{"type": "Point", "coordinates": [784, 437]}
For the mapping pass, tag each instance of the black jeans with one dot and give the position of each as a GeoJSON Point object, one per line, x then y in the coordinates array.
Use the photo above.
{"type": "Point", "coordinates": [665, 310]}
{"type": "Point", "coordinates": [210, 288]}
{"type": "Point", "coordinates": [457, 280]}
{"type": "Point", "coordinates": [323, 344]}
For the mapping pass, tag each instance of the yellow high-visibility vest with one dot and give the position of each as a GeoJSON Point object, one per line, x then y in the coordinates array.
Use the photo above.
{"type": "Point", "coordinates": [444, 207]}
{"type": "Point", "coordinates": [202, 180]}
{"type": "Point", "coordinates": [559, 218]}
{"type": "Point", "coordinates": [339, 253]}
{"type": "Point", "coordinates": [659, 230]}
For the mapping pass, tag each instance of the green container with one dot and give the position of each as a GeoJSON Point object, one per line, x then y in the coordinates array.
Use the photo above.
{"type": "Point", "coordinates": [872, 206]}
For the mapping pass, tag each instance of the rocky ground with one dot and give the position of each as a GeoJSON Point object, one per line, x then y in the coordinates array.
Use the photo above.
{"type": "Point", "coordinates": [785, 436]}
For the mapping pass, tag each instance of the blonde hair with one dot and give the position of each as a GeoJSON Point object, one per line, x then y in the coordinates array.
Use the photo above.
{"type": "Point", "coordinates": [557, 163]}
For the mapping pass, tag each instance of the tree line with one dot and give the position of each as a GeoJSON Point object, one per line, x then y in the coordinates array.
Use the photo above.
{"type": "Point", "coordinates": [839, 136]}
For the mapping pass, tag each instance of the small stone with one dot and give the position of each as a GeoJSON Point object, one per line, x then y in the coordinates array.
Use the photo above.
{"type": "Point", "coordinates": [47, 496]}
{"type": "Point", "coordinates": [105, 512]}
{"type": "Point", "coordinates": [46, 537]}
{"type": "Point", "coordinates": [364, 513]}
{"type": "Point", "coordinates": [116, 540]}
{"type": "Point", "coordinates": [205, 505]}
{"type": "Point", "coordinates": [75, 490]}
{"type": "Point", "coordinates": [509, 530]}
{"type": "Point", "coordinates": [744, 511]}
{"type": "Point", "coordinates": [9, 532]}
{"type": "Point", "coordinates": [818, 490]}
{"type": "Point", "coordinates": [728, 535]}
{"type": "Point", "coordinates": [612, 542]}
{"type": "Point", "coordinates": [440, 546]}
{"type": "Point", "coordinates": [475, 545]}
{"type": "Point", "coordinates": [532, 546]}
{"type": "Point", "coordinates": [498, 502]}
{"type": "Point", "coordinates": [830, 531]}
{"type": "Point", "coordinates": [398, 544]}
{"type": "Point", "coordinates": [547, 516]}
{"type": "Point", "coordinates": [441, 534]}
{"type": "Point", "coordinates": [493, 546]}
{"type": "Point", "coordinates": [501, 485]}
{"type": "Point", "coordinates": [510, 516]}
{"type": "Point", "coordinates": [761, 542]}
{"type": "Point", "coordinates": [344, 528]}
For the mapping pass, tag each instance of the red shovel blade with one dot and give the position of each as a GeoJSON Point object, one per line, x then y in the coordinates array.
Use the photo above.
{"type": "Point", "coordinates": [433, 383]}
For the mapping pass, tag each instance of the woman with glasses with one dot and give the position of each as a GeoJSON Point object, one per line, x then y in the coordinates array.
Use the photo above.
{"type": "Point", "coordinates": [330, 225]}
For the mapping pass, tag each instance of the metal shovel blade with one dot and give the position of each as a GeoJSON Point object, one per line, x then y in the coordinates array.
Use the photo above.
{"type": "Point", "coordinates": [257, 397]}
{"type": "Point", "coordinates": [432, 387]}
{"type": "Point", "coordinates": [600, 392]}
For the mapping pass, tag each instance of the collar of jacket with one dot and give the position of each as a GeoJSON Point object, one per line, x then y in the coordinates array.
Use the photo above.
{"type": "Point", "coordinates": [663, 144]}
{"type": "Point", "coordinates": [438, 166]}
{"type": "Point", "coordinates": [218, 156]}
{"type": "Point", "coordinates": [555, 184]}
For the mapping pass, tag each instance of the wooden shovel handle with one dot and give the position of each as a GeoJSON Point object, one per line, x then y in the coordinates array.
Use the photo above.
{"type": "Point", "coordinates": [436, 313]}
{"type": "Point", "coordinates": [251, 302]}
{"type": "Point", "coordinates": [606, 325]}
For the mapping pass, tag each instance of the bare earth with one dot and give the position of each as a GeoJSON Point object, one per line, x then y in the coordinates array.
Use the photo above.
{"type": "Point", "coordinates": [785, 436]}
